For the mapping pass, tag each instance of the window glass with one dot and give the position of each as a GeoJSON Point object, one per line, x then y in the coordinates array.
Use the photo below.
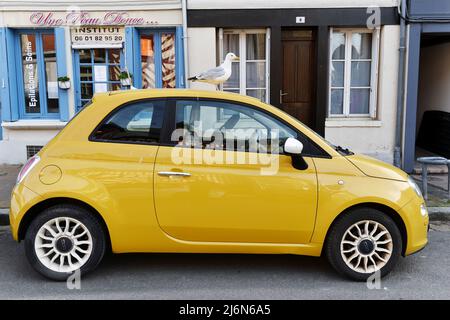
{"type": "Point", "coordinates": [225, 126]}
{"type": "Point", "coordinates": [250, 46]}
{"type": "Point", "coordinates": [231, 43]}
{"type": "Point", "coordinates": [361, 46]}
{"type": "Point", "coordinates": [30, 73]}
{"type": "Point", "coordinates": [138, 122]}
{"type": "Point", "coordinates": [148, 61]}
{"type": "Point", "coordinates": [256, 46]}
{"type": "Point", "coordinates": [351, 73]}
{"type": "Point", "coordinates": [168, 60]}
{"type": "Point", "coordinates": [338, 46]}
{"type": "Point", "coordinates": [51, 78]}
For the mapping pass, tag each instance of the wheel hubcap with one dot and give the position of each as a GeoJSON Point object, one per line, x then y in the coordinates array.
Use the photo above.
{"type": "Point", "coordinates": [366, 246]}
{"type": "Point", "coordinates": [63, 244]}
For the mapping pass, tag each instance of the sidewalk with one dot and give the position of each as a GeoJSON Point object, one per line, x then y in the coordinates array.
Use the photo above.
{"type": "Point", "coordinates": [8, 175]}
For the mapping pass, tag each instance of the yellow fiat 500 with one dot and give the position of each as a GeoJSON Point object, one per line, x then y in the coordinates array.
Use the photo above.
{"type": "Point", "coordinates": [208, 172]}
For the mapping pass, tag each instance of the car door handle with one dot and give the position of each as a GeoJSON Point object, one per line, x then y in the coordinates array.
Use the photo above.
{"type": "Point", "coordinates": [174, 173]}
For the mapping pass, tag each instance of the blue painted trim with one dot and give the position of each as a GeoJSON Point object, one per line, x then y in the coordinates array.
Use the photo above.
{"type": "Point", "coordinates": [411, 97]}
{"type": "Point", "coordinates": [4, 94]}
{"type": "Point", "coordinates": [179, 57]}
{"type": "Point", "coordinates": [131, 43]}
{"type": "Point", "coordinates": [61, 65]}
{"type": "Point", "coordinates": [76, 79]}
{"type": "Point", "coordinates": [12, 75]}
{"type": "Point", "coordinates": [436, 28]}
{"type": "Point", "coordinates": [5, 106]}
{"type": "Point", "coordinates": [158, 59]}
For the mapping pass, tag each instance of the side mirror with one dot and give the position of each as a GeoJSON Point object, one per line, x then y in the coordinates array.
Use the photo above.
{"type": "Point", "coordinates": [293, 146]}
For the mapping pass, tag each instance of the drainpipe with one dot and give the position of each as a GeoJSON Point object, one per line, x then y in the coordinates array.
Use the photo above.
{"type": "Point", "coordinates": [401, 87]}
{"type": "Point", "coordinates": [185, 43]}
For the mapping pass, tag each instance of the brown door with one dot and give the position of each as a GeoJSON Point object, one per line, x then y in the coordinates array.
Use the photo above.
{"type": "Point", "coordinates": [298, 90]}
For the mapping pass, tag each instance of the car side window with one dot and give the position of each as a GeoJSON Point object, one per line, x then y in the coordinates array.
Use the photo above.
{"type": "Point", "coordinates": [138, 122]}
{"type": "Point", "coordinates": [227, 126]}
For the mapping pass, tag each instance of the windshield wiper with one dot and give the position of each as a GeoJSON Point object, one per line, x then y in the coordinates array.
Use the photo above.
{"type": "Point", "coordinates": [343, 151]}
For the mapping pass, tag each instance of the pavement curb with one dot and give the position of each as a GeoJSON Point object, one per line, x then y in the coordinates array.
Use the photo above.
{"type": "Point", "coordinates": [4, 217]}
{"type": "Point", "coordinates": [439, 213]}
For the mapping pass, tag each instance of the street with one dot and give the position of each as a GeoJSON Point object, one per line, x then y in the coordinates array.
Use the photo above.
{"type": "Point", "coordinates": [424, 275]}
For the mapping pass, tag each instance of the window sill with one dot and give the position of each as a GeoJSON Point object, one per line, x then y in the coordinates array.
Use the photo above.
{"type": "Point", "coordinates": [352, 122]}
{"type": "Point", "coordinates": [34, 125]}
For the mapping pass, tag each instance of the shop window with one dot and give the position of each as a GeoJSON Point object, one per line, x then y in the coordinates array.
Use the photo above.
{"type": "Point", "coordinates": [353, 73]}
{"type": "Point", "coordinates": [157, 60]}
{"type": "Point", "coordinates": [97, 70]}
{"type": "Point", "coordinates": [250, 75]}
{"type": "Point", "coordinates": [38, 83]}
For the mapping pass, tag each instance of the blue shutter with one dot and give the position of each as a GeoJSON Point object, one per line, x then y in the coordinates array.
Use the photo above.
{"type": "Point", "coordinates": [8, 85]}
{"type": "Point", "coordinates": [132, 52]}
{"type": "Point", "coordinates": [61, 65]}
{"type": "Point", "coordinates": [4, 95]}
{"type": "Point", "coordinates": [179, 57]}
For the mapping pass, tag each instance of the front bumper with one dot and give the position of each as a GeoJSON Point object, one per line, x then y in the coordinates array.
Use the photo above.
{"type": "Point", "coordinates": [22, 200]}
{"type": "Point", "coordinates": [417, 226]}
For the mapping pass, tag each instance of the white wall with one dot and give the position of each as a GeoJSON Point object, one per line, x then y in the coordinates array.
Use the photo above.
{"type": "Point", "coordinates": [374, 137]}
{"type": "Point", "coordinates": [434, 83]}
{"type": "Point", "coordinates": [13, 146]}
{"type": "Point", "coordinates": [202, 54]}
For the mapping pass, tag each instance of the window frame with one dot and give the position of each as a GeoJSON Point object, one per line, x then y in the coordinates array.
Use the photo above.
{"type": "Point", "coordinates": [110, 114]}
{"type": "Point", "coordinates": [40, 67]}
{"type": "Point", "coordinates": [77, 72]}
{"type": "Point", "coordinates": [374, 69]}
{"type": "Point", "coordinates": [243, 58]}
{"type": "Point", "coordinates": [157, 48]}
{"type": "Point", "coordinates": [170, 125]}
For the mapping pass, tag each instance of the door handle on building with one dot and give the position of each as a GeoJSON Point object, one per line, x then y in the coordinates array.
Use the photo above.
{"type": "Point", "coordinates": [281, 95]}
{"type": "Point", "coordinates": [174, 173]}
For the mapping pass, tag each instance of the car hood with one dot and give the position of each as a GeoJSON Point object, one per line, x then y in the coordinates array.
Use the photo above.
{"type": "Point", "coordinates": [376, 168]}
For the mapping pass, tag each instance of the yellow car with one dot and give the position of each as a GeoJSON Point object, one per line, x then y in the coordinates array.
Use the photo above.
{"type": "Point", "coordinates": [208, 172]}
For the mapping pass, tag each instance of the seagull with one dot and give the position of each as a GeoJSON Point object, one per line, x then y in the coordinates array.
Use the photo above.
{"type": "Point", "coordinates": [217, 75]}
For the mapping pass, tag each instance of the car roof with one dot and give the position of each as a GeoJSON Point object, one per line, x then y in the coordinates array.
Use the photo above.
{"type": "Point", "coordinates": [167, 93]}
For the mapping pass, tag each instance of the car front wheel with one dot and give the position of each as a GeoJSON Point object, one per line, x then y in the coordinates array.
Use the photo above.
{"type": "Point", "coordinates": [362, 242]}
{"type": "Point", "coordinates": [63, 239]}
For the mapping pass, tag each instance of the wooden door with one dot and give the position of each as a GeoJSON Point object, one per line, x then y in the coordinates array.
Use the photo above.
{"type": "Point", "coordinates": [298, 89]}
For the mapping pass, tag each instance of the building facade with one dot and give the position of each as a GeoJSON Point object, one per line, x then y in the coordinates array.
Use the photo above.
{"type": "Point", "coordinates": [90, 46]}
{"type": "Point", "coordinates": [333, 64]}
{"type": "Point", "coordinates": [324, 62]}
{"type": "Point", "coordinates": [428, 80]}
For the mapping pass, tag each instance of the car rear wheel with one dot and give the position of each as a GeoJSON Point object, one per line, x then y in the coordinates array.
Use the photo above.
{"type": "Point", "coordinates": [362, 242]}
{"type": "Point", "coordinates": [64, 239]}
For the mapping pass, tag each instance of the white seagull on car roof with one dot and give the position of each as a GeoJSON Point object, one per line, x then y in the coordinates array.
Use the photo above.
{"type": "Point", "coordinates": [217, 75]}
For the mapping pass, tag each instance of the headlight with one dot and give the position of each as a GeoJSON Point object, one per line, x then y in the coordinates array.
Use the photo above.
{"type": "Point", "coordinates": [414, 185]}
{"type": "Point", "coordinates": [423, 210]}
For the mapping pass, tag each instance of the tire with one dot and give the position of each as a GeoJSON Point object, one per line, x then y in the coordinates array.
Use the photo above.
{"type": "Point", "coordinates": [341, 244]}
{"type": "Point", "coordinates": [69, 231]}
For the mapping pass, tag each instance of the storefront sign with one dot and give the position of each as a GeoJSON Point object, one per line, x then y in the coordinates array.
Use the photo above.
{"type": "Point", "coordinates": [82, 18]}
{"type": "Point", "coordinates": [30, 78]}
{"type": "Point", "coordinates": [97, 37]}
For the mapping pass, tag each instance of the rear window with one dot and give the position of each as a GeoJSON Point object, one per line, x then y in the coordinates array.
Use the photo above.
{"type": "Point", "coordinates": [138, 122]}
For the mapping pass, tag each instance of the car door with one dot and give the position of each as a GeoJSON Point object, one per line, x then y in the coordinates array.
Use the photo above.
{"type": "Point", "coordinates": [120, 159]}
{"type": "Point", "coordinates": [215, 185]}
